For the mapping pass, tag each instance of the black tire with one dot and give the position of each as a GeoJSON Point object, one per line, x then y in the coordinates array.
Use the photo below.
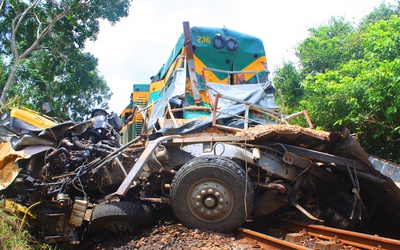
{"type": "Point", "coordinates": [211, 193]}
{"type": "Point", "coordinates": [120, 217]}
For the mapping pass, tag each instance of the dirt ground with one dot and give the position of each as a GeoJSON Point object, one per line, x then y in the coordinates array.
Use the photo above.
{"type": "Point", "coordinates": [166, 234]}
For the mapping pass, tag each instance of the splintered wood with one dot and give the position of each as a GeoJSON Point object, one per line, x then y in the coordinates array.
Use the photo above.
{"type": "Point", "coordinates": [284, 129]}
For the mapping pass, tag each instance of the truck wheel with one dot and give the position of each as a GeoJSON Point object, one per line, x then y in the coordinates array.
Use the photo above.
{"type": "Point", "coordinates": [120, 217]}
{"type": "Point", "coordinates": [211, 193]}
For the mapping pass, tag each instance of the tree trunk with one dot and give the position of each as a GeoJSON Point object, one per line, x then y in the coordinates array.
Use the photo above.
{"type": "Point", "coordinates": [10, 79]}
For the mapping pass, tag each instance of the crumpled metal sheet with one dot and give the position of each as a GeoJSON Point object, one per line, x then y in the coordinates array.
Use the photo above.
{"type": "Point", "coordinates": [252, 93]}
{"type": "Point", "coordinates": [387, 168]}
{"type": "Point", "coordinates": [8, 169]}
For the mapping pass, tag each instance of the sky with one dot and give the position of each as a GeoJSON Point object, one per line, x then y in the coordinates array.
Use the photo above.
{"type": "Point", "coordinates": [135, 48]}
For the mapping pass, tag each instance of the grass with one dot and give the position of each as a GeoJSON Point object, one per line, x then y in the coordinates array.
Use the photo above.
{"type": "Point", "coordinates": [15, 237]}
{"type": "Point", "coordinates": [12, 236]}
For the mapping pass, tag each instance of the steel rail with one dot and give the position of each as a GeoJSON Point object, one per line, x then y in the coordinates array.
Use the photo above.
{"type": "Point", "coordinates": [266, 241]}
{"type": "Point", "coordinates": [355, 239]}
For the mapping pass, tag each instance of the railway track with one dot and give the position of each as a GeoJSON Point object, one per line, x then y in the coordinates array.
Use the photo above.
{"type": "Point", "coordinates": [266, 241]}
{"type": "Point", "coordinates": [304, 236]}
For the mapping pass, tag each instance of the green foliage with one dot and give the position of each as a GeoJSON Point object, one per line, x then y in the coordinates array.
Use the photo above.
{"type": "Point", "coordinates": [71, 85]}
{"type": "Point", "coordinates": [363, 94]}
{"type": "Point", "coordinates": [350, 77]}
{"type": "Point", "coordinates": [383, 12]}
{"type": "Point", "coordinates": [3, 71]}
{"type": "Point", "coordinates": [47, 56]}
{"type": "Point", "coordinates": [326, 48]}
{"type": "Point", "coordinates": [287, 81]}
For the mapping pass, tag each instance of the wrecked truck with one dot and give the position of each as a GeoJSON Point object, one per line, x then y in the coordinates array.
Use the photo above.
{"type": "Point", "coordinates": [205, 138]}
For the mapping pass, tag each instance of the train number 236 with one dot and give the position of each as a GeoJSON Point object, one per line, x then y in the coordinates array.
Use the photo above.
{"type": "Point", "coordinates": [203, 39]}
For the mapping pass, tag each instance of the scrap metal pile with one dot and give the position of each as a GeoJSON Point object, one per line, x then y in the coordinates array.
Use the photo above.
{"type": "Point", "coordinates": [74, 178]}
{"type": "Point", "coordinates": [53, 170]}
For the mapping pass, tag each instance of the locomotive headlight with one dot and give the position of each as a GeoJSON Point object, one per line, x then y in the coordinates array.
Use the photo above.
{"type": "Point", "coordinates": [231, 43]}
{"type": "Point", "coordinates": [218, 41]}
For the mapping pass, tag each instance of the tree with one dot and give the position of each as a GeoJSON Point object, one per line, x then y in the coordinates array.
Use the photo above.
{"type": "Point", "coordinates": [287, 80]}
{"type": "Point", "coordinates": [73, 84]}
{"type": "Point", "coordinates": [48, 37]}
{"type": "Point", "coordinates": [326, 48]}
{"type": "Point", "coordinates": [362, 94]}
{"type": "Point", "coordinates": [383, 12]}
{"type": "Point", "coordinates": [350, 78]}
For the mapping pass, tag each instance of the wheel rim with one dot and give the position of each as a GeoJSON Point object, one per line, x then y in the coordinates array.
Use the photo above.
{"type": "Point", "coordinates": [118, 227]}
{"type": "Point", "coordinates": [210, 200]}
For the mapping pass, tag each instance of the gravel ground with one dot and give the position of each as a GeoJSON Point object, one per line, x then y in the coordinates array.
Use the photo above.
{"type": "Point", "coordinates": [168, 233]}
{"type": "Point", "coordinates": [168, 236]}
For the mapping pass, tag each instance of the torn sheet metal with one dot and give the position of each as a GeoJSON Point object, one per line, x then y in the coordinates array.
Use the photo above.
{"type": "Point", "coordinates": [8, 169]}
{"type": "Point", "coordinates": [252, 93]}
{"type": "Point", "coordinates": [174, 92]}
{"type": "Point", "coordinates": [387, 168]}
{"type": "Point", "coordinates": [227, 109]}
